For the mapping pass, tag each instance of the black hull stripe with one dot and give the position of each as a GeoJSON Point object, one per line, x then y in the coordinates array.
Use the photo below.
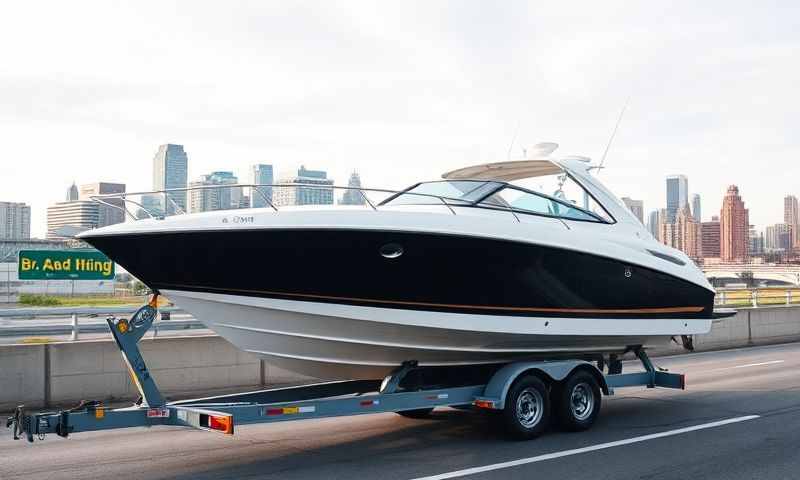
{"type": "Point", "coordinates": [594, 311]}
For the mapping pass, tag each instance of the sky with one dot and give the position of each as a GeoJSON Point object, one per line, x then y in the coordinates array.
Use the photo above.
{"type": "Point", "coordinates": [402, 92]}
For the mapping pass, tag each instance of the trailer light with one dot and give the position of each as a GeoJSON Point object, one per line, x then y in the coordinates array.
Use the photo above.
{"type": "Point", "coordinates": [484, 404]}
{"type": "Point", "coordinates": [221, 423]}
{"type": "Point", "coordinates": [369, 403]}
{"type": "Point", "coordinates": [99, 413]}
{"type": "Point", "coordinates": [273, 411]}
{"type": "Point", "coordinates": [122, 326]}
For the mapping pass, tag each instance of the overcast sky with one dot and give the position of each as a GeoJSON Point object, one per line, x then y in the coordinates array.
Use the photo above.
{"type": "Point", "coordinates": [402, 91]}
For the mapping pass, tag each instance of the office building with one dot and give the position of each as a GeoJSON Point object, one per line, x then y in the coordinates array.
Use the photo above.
{"type": "Point", "coordinates": [261, 174]}
{"type": "Point", "coordinates": [107, 215]}
{"type": "Point", "coordinates": [756, 242]}
{"type": "Point", "coordinates": [687, 236]}
{"type": "Point", "coordinates": [353, 197]}
{"type": "Point", "coordinates": [171, 170]}
{"type": "Point", "coordinates": [677, 195]}
{"type": "Point", "coordinates": [709, 238]}
{"type": "Point", "coordinates": [778, 238]}
{"type": "Point", "coordinates": [202, 198]}
{"type": "Point", "coordinates": [79, 215]}
{"type": "Point", "coordinates": [791, 217]}
{"type": "Point", "coordinates": [636, 207]}
{"type": "Point", "coordinates": [696, 212]}
{"type": "Point", "coordinates": [734, 226]}
{"type": "Point", "coordinates": [307, 187]}
{"type": "Point", "coordinates": [15, 221]}
{"type": "Point", "coordinates": [652, 223]}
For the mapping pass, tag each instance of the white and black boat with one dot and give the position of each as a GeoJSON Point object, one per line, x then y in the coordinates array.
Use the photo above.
{"type": "Point", "coordinates": [466, 270]}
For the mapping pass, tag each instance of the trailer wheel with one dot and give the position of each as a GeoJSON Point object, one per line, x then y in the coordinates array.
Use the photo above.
{"type": "Point", "coordinates": [527, 408]}
{"type": "Point", "coordinates": [578, 402]}
{"type": "Point", "coordinates": [416, 413]}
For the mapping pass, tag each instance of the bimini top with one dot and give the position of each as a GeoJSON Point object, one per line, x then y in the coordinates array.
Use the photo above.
{"type": "Point", "coordinates": [541, 165]}
{"type": "Point", "coordinates": [506, 171]}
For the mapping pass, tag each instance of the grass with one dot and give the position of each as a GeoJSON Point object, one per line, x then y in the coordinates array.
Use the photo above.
{"type": "Point", "coordinates": [53, 301]}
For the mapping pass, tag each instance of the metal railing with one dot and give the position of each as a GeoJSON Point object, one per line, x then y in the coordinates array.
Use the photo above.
{"type": "Point", "coordinates": [120, 201]}
{"type": "Point", "coordinates": [757, 297]}
{"type": "Point", "coordinates": [76, 314]}
{"type": "Point", "coordinates": [112, 199]}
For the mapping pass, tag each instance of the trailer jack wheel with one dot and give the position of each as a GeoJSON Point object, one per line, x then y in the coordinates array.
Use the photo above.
{"type": "Point", "coordinates": [527, 408]}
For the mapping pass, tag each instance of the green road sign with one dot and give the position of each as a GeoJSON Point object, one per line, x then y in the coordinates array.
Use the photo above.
{"type": "Point", "coordinates": [64, 265]}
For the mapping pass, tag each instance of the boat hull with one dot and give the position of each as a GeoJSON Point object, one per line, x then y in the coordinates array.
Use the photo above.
{"type": "Point", "coordinates": [356, 303]}
{"type": "Point", "coordinates": [344, 341]}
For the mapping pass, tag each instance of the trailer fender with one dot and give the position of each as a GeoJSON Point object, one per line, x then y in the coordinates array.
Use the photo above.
{"type": "Point", "coordinates": [494, 395]}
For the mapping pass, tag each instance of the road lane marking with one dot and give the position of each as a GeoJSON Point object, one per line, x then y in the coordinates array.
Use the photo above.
{"type": "Point", "coordinates": [576, 451]}
{"type": "Point", "coordinates": [773, 362]}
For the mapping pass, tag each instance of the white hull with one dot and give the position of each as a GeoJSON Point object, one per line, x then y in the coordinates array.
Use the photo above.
{"type": "Point", "coordinates": [335, 341]}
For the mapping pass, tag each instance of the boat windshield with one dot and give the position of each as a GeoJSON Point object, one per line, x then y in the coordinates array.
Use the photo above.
{"type": "Point", "coordinates": [521, 200]}
{"type": "Point", "coordinates": [500, 195]}
{"type": "Point", "coordinates": [457, 192]}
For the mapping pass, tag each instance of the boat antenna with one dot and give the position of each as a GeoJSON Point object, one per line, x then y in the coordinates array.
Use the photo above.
{"type": "Point", "coordinates": [513, 139]}
{"type": "Point", "coordinates": [613, 134]}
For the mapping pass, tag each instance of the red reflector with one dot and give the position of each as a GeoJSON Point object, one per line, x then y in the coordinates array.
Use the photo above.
{"type": "Point", "coordinates": [274, 411]}
{"type": "Point", "coordinates": [369, 403]}
{"type": "Point", "coordinates": [221, 423]}
{"type": "Point", "coordinates": [484, 404]}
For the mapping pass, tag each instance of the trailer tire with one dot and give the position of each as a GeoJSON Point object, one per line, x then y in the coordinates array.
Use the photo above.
{"type": "Point", "coordinates": [577, 401]}
{"type": "Point", "coordinates": [417, 413]}
{"type": "Point", "coordinates": [527, 408]}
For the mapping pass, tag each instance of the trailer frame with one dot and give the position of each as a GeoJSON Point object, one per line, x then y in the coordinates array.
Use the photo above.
{"type": "Point", "coordinates": [328, 399]}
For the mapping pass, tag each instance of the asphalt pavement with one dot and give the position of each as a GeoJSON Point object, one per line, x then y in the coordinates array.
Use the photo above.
{"type": "Point", "coordinates": [738, 419]}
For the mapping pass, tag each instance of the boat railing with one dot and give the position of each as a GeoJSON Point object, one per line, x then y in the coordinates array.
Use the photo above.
{"type": "Point", "coordinates": [167, 206]}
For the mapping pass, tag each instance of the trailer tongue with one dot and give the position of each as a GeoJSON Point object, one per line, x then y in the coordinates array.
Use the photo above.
{"type": "Point", "coordinates": [528, 394]}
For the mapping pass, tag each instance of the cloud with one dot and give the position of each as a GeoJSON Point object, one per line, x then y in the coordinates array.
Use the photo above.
{"type": "Point", "coordinates": [401, 92]}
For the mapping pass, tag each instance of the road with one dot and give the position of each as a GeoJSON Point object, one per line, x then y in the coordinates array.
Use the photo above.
{"type": "Point", "coordinates": [736, 384]}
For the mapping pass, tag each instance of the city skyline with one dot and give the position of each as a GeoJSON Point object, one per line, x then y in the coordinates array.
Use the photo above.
{"type": "Point", "coordinates": [251, 171]}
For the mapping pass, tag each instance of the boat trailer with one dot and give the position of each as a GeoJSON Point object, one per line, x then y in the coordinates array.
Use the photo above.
{"type": "Point", "coordinates": [524, 391]}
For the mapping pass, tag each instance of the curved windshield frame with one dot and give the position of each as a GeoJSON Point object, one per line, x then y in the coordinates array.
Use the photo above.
{"type": "Point", "coordinates": [496, 196]}
{"type": "Point", "coordinates": [457, 192]}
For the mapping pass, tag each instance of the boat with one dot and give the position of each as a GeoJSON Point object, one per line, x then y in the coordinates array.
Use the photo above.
{"type": "Point", "coordinates": [470, 269]}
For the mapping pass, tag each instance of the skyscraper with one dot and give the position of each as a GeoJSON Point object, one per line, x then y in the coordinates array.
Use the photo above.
{"type": "Point", "coordinates": [734, 226]}
{"type": "Point", "coordinates": [107, 215]}
{"type": "Point", "coordinates": [15, 221]}
{"type": "Point", "coordinates": [261, 174]}
{"type": "Point", "coordinates": [353, 197]}
{"type": "Point", "coordinates": [636, 207]}
{"type": "Point", "coordinates": [652, 223]}
{"type": "Point", "coordinates": [696, 212]}
{"type": "Point", "coordinates": [171, 170]}
{"type": "Point", "coordinates": [687, 233]}
{"type": "Point", "coordinates": [72, 193]}
{"type": "Point", "coordinates": [791, 217]}
{"type": "Point", "coordinates": [755, 242]}
{"type": "Point", "coordinates": [307, 187]}
{"type": "Point", "coordinates": [709, 238]}
{"type": "Point", "coordinates": [207, 199]}
{"type": "Point", "coordinates": [677, 195]}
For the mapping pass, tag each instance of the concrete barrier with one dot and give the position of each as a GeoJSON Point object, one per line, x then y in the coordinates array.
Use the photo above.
{"type": "Point", "coordinates": [41, 376]}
